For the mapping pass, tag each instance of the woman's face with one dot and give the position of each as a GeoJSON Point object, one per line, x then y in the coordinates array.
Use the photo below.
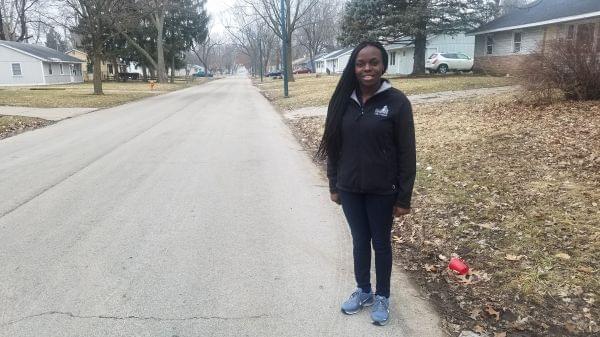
{"type": "Point", "coordinates": [369, 66]}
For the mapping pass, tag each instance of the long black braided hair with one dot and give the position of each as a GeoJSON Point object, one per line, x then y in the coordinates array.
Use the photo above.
{"type": "Point", "coordinates": [332, 137]}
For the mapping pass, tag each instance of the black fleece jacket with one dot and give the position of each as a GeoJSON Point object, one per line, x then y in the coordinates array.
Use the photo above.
{"type": "Point", "coordinates": [377, 155]}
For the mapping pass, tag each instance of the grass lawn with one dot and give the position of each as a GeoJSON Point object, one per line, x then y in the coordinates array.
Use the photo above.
{"type": "Point", "coordinates": [81, 95]}
{"type": "Point", "coordinates": [308, 90]}
{"type": "Point", "coordinates": [514, 190]}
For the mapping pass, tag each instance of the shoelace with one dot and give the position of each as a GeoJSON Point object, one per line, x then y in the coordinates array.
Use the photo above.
{"type": "Point", "coordinates": [355, 294]}
{"type": "Point", "coordinates": [379, 304]}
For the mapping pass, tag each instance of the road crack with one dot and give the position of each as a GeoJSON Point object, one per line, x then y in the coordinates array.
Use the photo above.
{"type": "Point", "coordinates": [132, 317]}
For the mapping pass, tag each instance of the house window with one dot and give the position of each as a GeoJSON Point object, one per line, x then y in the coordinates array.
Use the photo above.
{"type": "Point", "coordinates": [393, 58]}
{"type": "Point", "coordinates": [490, 44]}
{"type": "Point", "coordinates": [517, 42]}
{"type": "Point", "coordinates": [16, 69]}
{"type": "Point", "coordinates": [49, 68]}
{"type": "Point", "coordinates": [61, 69]}
{"type": "Point", "coordinates": [570, 32]}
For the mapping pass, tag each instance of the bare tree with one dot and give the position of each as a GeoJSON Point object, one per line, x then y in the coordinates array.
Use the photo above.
{"type": "Point", "coordinates": [204, 50]}
{"type": "Point", "coordinates": [95, 22]}
{"type": "Point", "coordinates": [250, 36]}
{"type": "Point", "coordinates": [17, 17]}
{"type": "Point", "coordinates": [270, 13]}
{"type": "Point", "coordinates": [319, 28]}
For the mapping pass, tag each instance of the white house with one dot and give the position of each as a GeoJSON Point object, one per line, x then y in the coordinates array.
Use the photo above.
{"type": "Point", "coordinates": [501, 45]}
{"type": "Point", "coordinates": [335, 61]}
{"type": "Point", "coordinates": [321, 61]}
{"type": "Point", "coordinates": [401, 54]}
{"type": "Point", "coordinates": [28, 64]}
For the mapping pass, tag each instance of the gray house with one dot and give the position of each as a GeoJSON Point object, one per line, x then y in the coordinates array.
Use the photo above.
{"type": "Point", "coordinates": [28, 64]}
{"type": "Point", "coordinates": [502, 44]}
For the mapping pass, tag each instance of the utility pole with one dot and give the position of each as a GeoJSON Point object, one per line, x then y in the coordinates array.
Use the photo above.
{"type": "Point", "coordinates": [284, 51]}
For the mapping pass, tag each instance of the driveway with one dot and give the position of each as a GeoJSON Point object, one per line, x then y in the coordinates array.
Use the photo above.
{"type": "Point", "coordinates": [194, 213]}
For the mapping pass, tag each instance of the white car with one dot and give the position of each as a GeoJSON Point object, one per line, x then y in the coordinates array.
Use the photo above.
{"type": "Point", "coordinates": [444, 62]}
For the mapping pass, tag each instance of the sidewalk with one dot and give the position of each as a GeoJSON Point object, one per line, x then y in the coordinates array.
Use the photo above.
{"type": "Point", "coordinates": [53, 114]}
{"type": "Point", "coordinates": [435, 97]}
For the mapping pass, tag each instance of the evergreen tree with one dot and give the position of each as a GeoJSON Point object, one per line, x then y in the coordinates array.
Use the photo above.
{"type": "Point", "coordinates": [55, 41]}
{"type": "Point", "coordinates": [390, 20]}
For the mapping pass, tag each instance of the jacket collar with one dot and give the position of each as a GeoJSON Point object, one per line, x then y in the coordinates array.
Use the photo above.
{"type": "Point", "coordinates": [385, 85]}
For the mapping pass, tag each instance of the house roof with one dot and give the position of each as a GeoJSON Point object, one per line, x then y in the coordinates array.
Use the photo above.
{"type": "Point", "coordinates": [338, 53]}
{"type": "Point", "coordinates": [40, 52]}
{"type": "Point", "coordinates": [542, 12]}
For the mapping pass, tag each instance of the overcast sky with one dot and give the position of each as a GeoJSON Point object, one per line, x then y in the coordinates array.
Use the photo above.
{"type": "Point", "coordinates": [215, 7]}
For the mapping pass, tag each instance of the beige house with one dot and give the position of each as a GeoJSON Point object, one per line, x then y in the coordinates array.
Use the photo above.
{"type": "Point", "coordinates": [502, 45]}
{"type": "Point", "coordinates": [106, 68]}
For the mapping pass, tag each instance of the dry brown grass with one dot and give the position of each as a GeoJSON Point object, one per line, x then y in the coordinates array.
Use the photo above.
{"type": "Point", "coordinates": [81, 95]}
{"type": "Point", "coordinates": [309, 90]}
{"type": "Point", "coordinates": [515, 191]}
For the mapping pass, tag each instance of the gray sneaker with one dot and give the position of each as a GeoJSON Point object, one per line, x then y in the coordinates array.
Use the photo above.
{"type": "Point", "coordinates": [381, 310]}
{"type": "Point", "coordinates": [357, 301]}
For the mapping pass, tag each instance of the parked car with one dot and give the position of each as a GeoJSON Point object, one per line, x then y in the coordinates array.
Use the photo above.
{"type": "Point", "coordinates": [444, 62]}
{"type": "Point", "coordinates": [302, 70]}
{"type": "Point", "coordinates": [202, 73]}
{"type": "Point", "coordinates": [275, 74]}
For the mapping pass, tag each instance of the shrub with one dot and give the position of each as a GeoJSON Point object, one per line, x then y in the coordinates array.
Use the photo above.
{"type": "Point", "coordinates": [573, 67]}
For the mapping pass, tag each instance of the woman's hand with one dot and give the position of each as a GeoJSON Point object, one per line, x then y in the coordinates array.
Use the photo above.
{"type": "Point", "coordinates": [335, 198]}
{"type": "Point", "coordinates": [399, 211]}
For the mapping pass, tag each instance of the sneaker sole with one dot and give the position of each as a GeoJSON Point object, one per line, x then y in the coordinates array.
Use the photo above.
{"type": "Point", "coordinates": [380, 323]}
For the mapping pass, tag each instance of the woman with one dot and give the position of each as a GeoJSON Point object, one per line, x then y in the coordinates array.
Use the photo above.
{"type": "Point", "coordinates": [369, 144]}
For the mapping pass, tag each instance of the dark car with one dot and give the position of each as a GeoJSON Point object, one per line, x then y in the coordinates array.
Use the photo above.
{"type": "Point", "coordinates": [201, 73]}
{"type": "Point", "coordinates": [302, 70]}
{"type": "Point", "coordinates": [275, 73]}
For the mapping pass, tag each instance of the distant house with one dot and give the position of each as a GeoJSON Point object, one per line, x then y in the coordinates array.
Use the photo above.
{"type": "Point", "coordinates": [502, 44]}
{"type": "Point", "coordinates": [107, 69]}
{"type": "Point", "coordinates": [335, 61]}
{"type": "Point", "coordinates": [402, 53]}
{"type": "Point", "coordinates": [28, 64]}
{"type": "Point", "coordinates": [82, 56]}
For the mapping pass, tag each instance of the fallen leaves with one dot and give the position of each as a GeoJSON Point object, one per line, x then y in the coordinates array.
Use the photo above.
{"type": "Point", "coordinates": [492, 312]}
{"type": "Point", "coordinates": [563, 256]}
{"type": "Point", "coordinates": [511, 257]}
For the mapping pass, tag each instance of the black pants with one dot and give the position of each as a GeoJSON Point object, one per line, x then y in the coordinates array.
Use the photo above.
{"type": "Point", "coordinates": [370, 218]}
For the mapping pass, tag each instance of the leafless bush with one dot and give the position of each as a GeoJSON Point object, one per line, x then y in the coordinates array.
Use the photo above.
{"type": "Point", "coordinates": [570, 66]}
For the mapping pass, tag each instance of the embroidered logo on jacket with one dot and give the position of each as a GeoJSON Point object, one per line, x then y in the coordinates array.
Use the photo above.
{"type": "Point", "coordinates": [383, 112]}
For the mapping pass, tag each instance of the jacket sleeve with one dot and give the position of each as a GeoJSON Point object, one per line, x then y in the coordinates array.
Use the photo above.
{"type": "Point", "coordinates": [406, 154]}
{"type": "Point", "coordinates": [332, 163]}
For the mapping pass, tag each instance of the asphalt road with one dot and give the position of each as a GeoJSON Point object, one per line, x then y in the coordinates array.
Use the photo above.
{"type": "Point", "coordinates": [195, 213]}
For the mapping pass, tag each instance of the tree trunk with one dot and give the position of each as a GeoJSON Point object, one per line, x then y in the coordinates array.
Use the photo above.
{"type": "Point", "coordinates": [2, 35]}
{"type": "Point", "coordinates": [173, 69]}
{"type": "Point", "coordinates": [145, 73]}
{"type": "Point", "coordinates": [162, 76]}
{"type": "Point", "coordinates": [289, 60]}
{"type": "Point", "coordinates": [115, 69]}
{"type": "Point", "coordinates": [311, 56]}
{"type": "Point", "coordinates": [420, 50]}
{"type": "Point", "coordinates": [97, 73]}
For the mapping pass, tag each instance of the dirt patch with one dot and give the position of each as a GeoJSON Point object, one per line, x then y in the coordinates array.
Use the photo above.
{"type": "Point", "coordinates": [13, 125]}
{"type": "Point", "coordinates": [514, 190]}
